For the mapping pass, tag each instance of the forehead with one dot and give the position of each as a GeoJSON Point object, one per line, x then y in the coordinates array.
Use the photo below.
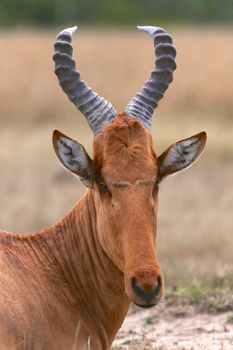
{"type": "Point", "coordinates": [124, 152]}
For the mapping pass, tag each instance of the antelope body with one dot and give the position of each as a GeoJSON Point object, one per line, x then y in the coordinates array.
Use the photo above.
{"type": "Point", "coordinates": [70, 286]}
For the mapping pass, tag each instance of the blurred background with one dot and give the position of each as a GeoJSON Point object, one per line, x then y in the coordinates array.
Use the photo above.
{"type": "Point", "coordinates": [195, 230]}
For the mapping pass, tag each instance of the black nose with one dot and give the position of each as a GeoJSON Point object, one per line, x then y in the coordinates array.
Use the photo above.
{"type": "Point", "coordinates": [147, 296]}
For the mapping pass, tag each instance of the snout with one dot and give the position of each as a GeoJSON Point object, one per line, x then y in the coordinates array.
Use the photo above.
{"type": "Point", "coordinates": [146, 288]}
{"type": "Point", "coordinates": [148, 292]}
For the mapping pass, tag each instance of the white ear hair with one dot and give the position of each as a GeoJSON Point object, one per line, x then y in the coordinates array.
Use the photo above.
{"type": "Point", "coordinates": [181, 154]}
{"type": "Point", "coordinates": [72, 154]}
{"type": "Point", "coordinates": [74, 157]}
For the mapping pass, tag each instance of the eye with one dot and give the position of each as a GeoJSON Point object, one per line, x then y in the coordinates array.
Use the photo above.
{"type": "Point", "coordinates": [102, 186]}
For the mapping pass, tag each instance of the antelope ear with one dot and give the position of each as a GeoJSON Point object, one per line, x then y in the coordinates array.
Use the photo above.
{"type": "Point", "coordinates": [180, 155]}
{"type": "Point", "coordinates": [74, 157]}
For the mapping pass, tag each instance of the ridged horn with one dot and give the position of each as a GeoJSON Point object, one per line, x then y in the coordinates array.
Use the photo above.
{"type": "Point", "coordinates": [142, 106]}
{"type": "Point", "coordinates": [95, 108]}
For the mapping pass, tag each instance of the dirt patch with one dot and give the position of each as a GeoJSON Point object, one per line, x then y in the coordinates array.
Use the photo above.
{"type": "Point", "coordinates": [146, 330]}
{"type": "Point", "coordinates": [190, 319]}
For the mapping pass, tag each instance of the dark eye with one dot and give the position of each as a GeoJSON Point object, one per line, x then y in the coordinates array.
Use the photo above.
{"type": "Point", "coordinates": [102, 186]}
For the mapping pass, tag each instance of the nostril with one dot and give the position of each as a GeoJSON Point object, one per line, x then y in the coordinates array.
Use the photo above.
{"type": "Point", "coordinates": [147, 293]}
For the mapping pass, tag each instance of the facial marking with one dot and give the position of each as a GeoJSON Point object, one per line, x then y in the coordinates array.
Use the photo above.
{"type": "Point", "coordinates": [142, 183]}
{"type": "Point", "coordinates": [120, 185]}
{"type": "Point", "coordinates": [145, 183]}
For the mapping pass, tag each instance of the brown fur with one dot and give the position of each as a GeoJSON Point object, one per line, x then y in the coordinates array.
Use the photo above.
{"type": "Point", "coordinates": [70, 285]}
{"type": "Point", "coordinates": [56, 281]}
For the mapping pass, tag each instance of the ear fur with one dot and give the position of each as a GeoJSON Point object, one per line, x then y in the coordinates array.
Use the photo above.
{"type": "Point", "coordinates": [74, 157]}
{"type": "Point", "coordinates": [180, 155]}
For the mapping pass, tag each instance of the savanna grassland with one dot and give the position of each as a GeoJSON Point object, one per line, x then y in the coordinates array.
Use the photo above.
{"type": "Point", "coordinates": [195, 226]}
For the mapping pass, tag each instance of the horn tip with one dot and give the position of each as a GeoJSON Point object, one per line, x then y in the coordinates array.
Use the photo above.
{"type": "Point", "coordinates": [69, 31]}
{"type": "Point", "coordinates": [148, 29]}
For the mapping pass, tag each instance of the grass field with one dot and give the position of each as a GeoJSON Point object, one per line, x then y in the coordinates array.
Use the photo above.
{"type": "Point", "coordinates": [195, 231]}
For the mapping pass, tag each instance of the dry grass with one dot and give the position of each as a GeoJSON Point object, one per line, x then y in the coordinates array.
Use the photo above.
{"type": "Point", "coordinates": [195, 233]}
{"type": "Point", "coordinates": [115, 64]}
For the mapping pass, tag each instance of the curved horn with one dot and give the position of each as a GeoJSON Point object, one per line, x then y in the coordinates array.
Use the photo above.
{"type": "Point", "coordinates": [143, 104]}
{"type": "Point", "coordinates": [96, 109]}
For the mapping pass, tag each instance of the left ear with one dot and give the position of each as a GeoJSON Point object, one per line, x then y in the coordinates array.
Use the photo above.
{"type": "Point", "coordinates": [74, 157]}
{"type": "Point", "coordinates": [180, 155]}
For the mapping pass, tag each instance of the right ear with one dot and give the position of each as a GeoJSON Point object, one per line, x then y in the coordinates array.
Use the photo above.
{"type": "Point", "coordinates": [74, 157]}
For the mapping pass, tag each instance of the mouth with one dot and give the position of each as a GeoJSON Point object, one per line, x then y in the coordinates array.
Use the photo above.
{"type": "Point", "coordinates": [159, 305]}
{"type": "Point", "coordinates": [145, 306]}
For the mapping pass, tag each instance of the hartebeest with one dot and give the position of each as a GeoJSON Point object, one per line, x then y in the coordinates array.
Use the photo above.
{"type": "Point", "coordinates": [70, 286]}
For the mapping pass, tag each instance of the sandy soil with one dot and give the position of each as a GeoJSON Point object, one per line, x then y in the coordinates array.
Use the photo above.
{"type": "Point", "coordinates": [142, 330]}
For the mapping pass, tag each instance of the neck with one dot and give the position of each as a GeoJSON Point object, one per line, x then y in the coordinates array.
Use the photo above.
{"type": "Point", "coordinates": [92, 286]}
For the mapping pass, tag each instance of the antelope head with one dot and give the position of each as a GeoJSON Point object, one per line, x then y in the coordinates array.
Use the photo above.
{"type": "Point", "coordinates": [125, 173]}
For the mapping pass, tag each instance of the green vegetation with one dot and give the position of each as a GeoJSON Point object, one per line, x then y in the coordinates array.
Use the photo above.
{"type": "Point", "coordinates": [230, 318]}
{"type": "Point", "coordinates": [120, 12]}
{"type": "Point", "coordinates": [149, 319]}
{"type": "Point", "coordinates": [202, 297]}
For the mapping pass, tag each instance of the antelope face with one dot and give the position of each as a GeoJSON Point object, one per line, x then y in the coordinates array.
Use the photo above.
{"type": "Point", "coordinates": [125, 176]}
{"type": "Point", "coordinates": [125, 172]}
{"type": "Point", "coordinates": [126, 197]}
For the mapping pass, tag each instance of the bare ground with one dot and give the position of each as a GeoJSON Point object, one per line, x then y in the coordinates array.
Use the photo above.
{"type": "Point", "coordinates": [183, 322]}
{"type": "Point", "coordinates": [144, 330]}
